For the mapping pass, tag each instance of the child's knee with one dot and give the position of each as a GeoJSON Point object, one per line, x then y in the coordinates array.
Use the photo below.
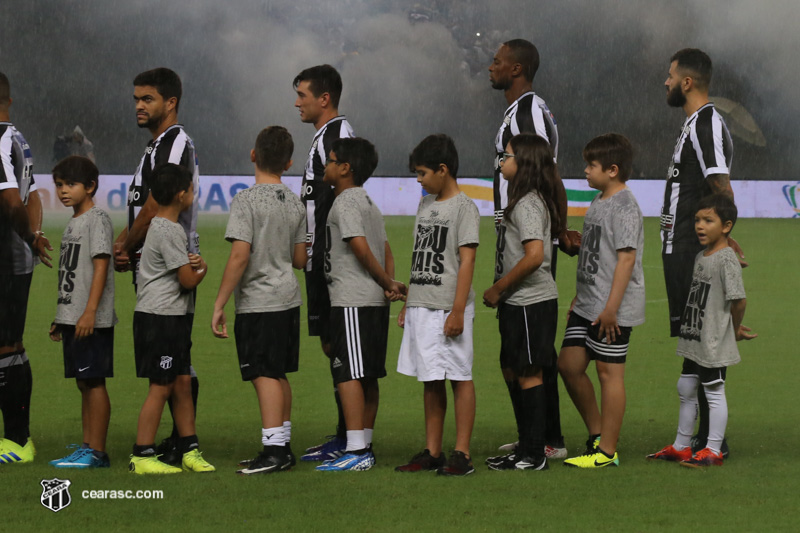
{"type": "Point", "coordinates": [687, 387]}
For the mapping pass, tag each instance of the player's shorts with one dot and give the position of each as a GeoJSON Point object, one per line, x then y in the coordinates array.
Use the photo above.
{"type": "Point", "coordinates": [678, 270]}
{"type": "Point", "coordinates": [358, 342]}
{"type": "Point", "coordinates": [319, 306]}
{"type": "Point", "coordinates": [14, 289]}
{"type": "Point", "coordinates": [88, 358]}
{"type": "Point", "coordinates": [707, 376]}
{"type": "Point", "coordinates": [527, 334]}
{"type": "Point", "coordinates": [268, 344]}
{"type": "Point", "coordinates": [162, 345]}
{"type": "Point", "coordinates": [427, 354]}
{"type": "Point", "coordinates": [581, 333]}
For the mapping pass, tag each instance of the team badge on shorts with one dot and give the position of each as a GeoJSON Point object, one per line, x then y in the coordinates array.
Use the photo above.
{"type": "Point", "coordinates": [55, 494]}
{"type": "Point", "coordinates": [166, 362]}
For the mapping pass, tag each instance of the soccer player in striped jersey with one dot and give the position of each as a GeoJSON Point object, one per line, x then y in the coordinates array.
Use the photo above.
{"type": "Point", "coordinates": [21, 240]}
{"type": "Point", "coordinates": [157, 94]}
{"type": "Point", "coordinates": [512, 71]}
{"type": "Point", "coordinates": [700, 166]}
{"type": "Point", "coordinates": [318, 91]}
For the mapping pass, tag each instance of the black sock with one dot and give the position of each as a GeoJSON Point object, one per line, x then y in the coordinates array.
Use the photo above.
{"type": "Point", "coordinates": [515, 393]}
{"type": "Point", "coordinates": [100, 455]}
{"type": "Point", "coordinates": [533, 411]}
{"type": "Point", "coordinates": [341, 427]}
{"type": "Point", "coordinates": [195, 391]}
{"type": "Point", "coordinates": [187, 444]}
{"type": "Point", "coordinates": [552, 432]}
{"type": "Point", "coordinates": [16, 383]}
{"type": "Point", "coordinates": [610, 456]}
{"type": "Point", "coordinates": [148, 450]}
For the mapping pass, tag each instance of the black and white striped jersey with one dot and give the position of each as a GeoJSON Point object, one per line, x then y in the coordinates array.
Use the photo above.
{"type": "Point", "coordinates": [316, 195]}
{"type": "Point", "coordinates": [704, 148]}
{"type": "Point", "coordinates": [16, 172]}
{"type": "Point", "coordinates": [528, 114]}
{"type": "Point", "coordinates": [172, 146]}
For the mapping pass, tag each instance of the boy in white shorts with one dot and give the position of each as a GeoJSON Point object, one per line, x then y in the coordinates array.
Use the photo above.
{"type": "Point", "coordinates": [440, 310]}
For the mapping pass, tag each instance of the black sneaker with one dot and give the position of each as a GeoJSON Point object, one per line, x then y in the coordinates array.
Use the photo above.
{"type": "Point", "coordinates": [167, 452]}
{"type": "Point", "coordinates": [288, 447]}
{"type": "Point", "coordinates": [698, 443]}
{"type": "Point", "coordinates": [423, 461]}
{"type": "Point", "coordinates": [505, 462]}
{"type": "Point", "coordinates": [458, 465]}
{"type": "Point", "coordinates": [500, 458]}
{"type": "Point", "coordinates": [531, 463]}
{"type": "Point", "coordinates": [266, 464]}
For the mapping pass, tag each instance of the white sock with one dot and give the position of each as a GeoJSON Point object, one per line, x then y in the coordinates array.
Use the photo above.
{"type": "Point", "coordinates": [717, 415]}
{"type": "Point", "coordinates": [355, 440]}
{"type": "Point", "coordinates": [287, 431]}
{"type": "Point", "coordinates": [368, 436]}
{"type": "Point", "coordinates": [687, 391]}
{"type": "Point", "coordinates": [272, 436]}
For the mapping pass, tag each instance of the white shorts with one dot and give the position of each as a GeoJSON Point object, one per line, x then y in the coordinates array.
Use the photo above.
{"type": "Point", "coordinates": [427, 354]}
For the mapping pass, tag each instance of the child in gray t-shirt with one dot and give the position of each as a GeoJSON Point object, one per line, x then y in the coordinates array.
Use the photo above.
{"type": "Point", "coordinates": [85, 315]}
{"type": "Point", "coordinates": [710, 326]}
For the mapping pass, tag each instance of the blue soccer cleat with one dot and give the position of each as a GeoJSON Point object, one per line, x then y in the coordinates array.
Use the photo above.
{"type": "Point", "coordinates": [330, 451]}
{"type": "Point", "coordinates": [83, 458]}
{"type": "Point", "coordinates": [349, 462]}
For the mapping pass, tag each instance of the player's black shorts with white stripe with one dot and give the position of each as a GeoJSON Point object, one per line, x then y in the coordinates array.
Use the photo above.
{"type": "Point", "coordinates": [268, 344]}
{"type": "Point", "coordinates": [678, 269]}
{"type": "Point", "coordinates": [527, 334]}
{"type": "Point", "coordinates": [162, 345]}
{"type": "Point", "coordinates": [581, 333]}
{"type": "Point", "coordinates": [358, 342]}
{"type": "Point", "coordinates": [14, 289]}
{"type": "Point", "coordinates": [90, 357]}
{"type": "Point", "coordinates": [319, 306]}
{"type": "Point", "coordinates": [707, 376]}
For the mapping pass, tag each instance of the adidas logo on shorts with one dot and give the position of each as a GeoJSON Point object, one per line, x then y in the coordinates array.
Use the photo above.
{"type": "Point", "coordinates": [336, 362]}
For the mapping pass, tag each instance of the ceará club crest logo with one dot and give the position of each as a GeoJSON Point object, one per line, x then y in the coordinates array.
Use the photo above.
{"type": "Point", "coordinates": [55, 494]}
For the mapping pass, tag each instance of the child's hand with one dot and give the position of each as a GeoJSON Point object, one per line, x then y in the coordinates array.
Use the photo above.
{"type": "Point", "coordinates": [55, 332]}
{"type": "Point", "coordinates": [85, 325]}
{"type": "Point", "coordinates": [396, 291]}
{"type": "Point", "coordinates": [40, 244]}
{"type": "Point", "coordinates": [122, 262]}
{"type": "Point", "coordinates": [197, 262]}
{"type": "Point", "coordinates": [454, 325]}
{"type": "Point", "coordinates": [401, 318]}
{"type": "Point", "coordinates": [608, 325]}
{"type": "Point", "coordinates": [570, 242]}
{"type": "Point", "coordinates": [219, 324]}
{"type": "Point", "coordinates": [744, 334]}
{"type": "Point", "coordinates": [491, 297]}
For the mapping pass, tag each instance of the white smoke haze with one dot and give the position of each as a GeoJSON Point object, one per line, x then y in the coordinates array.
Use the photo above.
{"type": "Point", "coordinates": [603, 67]}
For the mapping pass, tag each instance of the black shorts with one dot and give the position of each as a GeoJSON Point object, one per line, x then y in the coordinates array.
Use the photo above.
{"type": "Point", "coordinates": [268, 344]}
{"type": "Point", "coordinates": [88, 358]}
{"type": "Point", "coordinates": [319, 306]}
{"type": "Point", "coordinates": [707, 376]}
{"type": "Point", "coordinates": [358, 342]}
{"type": "Point", "coordinates": [581, 333]}
{"type": "Point", "coordinates": [162, 345]}
{"type": "Point", "coordinates": [527, 334]}
{"type": "Point", "coordinates": [678, 270]}
{"type": "Point", "coordinates": [14, 289]}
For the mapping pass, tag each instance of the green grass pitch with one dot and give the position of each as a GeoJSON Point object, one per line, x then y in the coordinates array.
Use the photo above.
{"type": "Point", "coordinates": [755, 490]}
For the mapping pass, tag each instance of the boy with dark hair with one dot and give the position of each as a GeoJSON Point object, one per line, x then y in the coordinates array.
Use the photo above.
{"type": "Point", "coordinates": [85, 315]}
{"type": "Point", "coordinates": [440, 308]}
{"type": "Point", "coordinates": [610, 299]}
{"type": "Point", "coordinates": [162, 324]}
{"type": "Point", "coordinates": [359, 269]}
{"type": "Point", "coordinates": [267, 231]}
{"type": "Point", "coordinates": [710, 326]}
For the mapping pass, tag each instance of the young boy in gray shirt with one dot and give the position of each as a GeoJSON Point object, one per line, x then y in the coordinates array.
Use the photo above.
{"type": "Point", "coordinates": [359, 269]}
{"type": "Point", "coordinates": [267, 231]}
{"type": "Point", "coordinates": [710, 326]}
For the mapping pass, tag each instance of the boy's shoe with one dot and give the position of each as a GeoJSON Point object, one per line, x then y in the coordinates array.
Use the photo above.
{"type": "Point", "coordinates": [316, 448]}
{"type": "Point", "coordinates": [510, 447]}
{"type": "Point", "coordinates": [193, 462]}
{"type": "Point", "coordinates": [331, 450]}
{"type": "Point", "coordinates": [349, 462]}
{"type": "Point", "coordinates": [150, 465]}
{"type": "Point", "coordinates": [83, 458]}
{"type": "Point", "coordinates": [423, 461]}
{"type": "Point", "coordinates": [76, 447]}
{"type": "Point", "coordinates": [704, 457]}
{"type": "Point", "coordinates": [555, 452]}
{"type": "Point", "coordinates": [292, 459]}
{"type": "Point", "coordinates": [11, 452]}
{"type": "Point", "coordinates": [530, 463]}
{"type": "Point", "coordinates": [593, 460]}
{"type": "Point", "coordinates": [503, 462]}
{"type": "Point", "coordinates": [457, 465]}
{"type": "Point", "coordinates": [167, 452]}
{"type": "Point", "coordinates": [266, 464]}
{"type": "Point", "coordinates": [698, 443]}
{"type": "Point", "coordinates": [500, 458]}
{"type": "Point", "coordinates": [670, 453]}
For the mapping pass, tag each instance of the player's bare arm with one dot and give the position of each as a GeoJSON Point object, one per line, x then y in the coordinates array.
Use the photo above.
{"type": "Point", "coordinates": [533, 259]}
{"type": "Point", "coordinates": [138, 231]}
{"type": "Point", "coordinates": [607, 320]}
{"type": "Point", "coordinates": [721, 184]}
{"type": "Point", "coordinates": [19, 216]}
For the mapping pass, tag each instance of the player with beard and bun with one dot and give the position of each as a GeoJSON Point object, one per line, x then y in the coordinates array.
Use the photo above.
{"type": "Point", "coordinates": [318, 91]}
{"type": "Point", "coordinates": [21, 240]}
{"type": "Point", "coordinates": [512, 71]}
{"type": "Point", "coordinates": [700, 166]}
{"type": "Point", "coordinates": [157, 94]}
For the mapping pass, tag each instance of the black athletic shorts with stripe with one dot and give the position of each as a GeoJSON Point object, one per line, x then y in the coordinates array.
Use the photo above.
{"type": "Point", "coordinates": [358, 342]}
{"type": "Point", "coordinates": [527, 334]}
{"type": "Point", "coordinates": [581, 333]}
{"type": "Point", "coordinates": [707, 376]}
{"type": "Point", "coordinates": [268, 344]}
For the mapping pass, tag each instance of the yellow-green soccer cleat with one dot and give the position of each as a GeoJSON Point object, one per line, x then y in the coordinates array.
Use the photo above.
{"type": "Point", "coordinates": [193, 462]}
{"type": "Point", "coordinates": [593, 460]}
{"type": "Point", "coordinates": [11, 452]}
{"type": "Point", "coordinates": [150, 465]}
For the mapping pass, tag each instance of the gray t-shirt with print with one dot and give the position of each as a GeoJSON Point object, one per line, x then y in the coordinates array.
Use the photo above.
{"type": "Point", "coordinates": [86, 237]}
{"type": "Point", "coordinates": [353, 214]}
{"type": "Point", "coordinates": [610, 224]}
{"type": "Point", "coordinates": [439, 230]}
{"type": "Point", "coordinates": [271, 218]}
{"type": "Point", "coordinates": [706, 335]}
{"type": "Point", "coordinates": [528, 221]}
{"type": "Point", "coordinates": [166, 249]}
